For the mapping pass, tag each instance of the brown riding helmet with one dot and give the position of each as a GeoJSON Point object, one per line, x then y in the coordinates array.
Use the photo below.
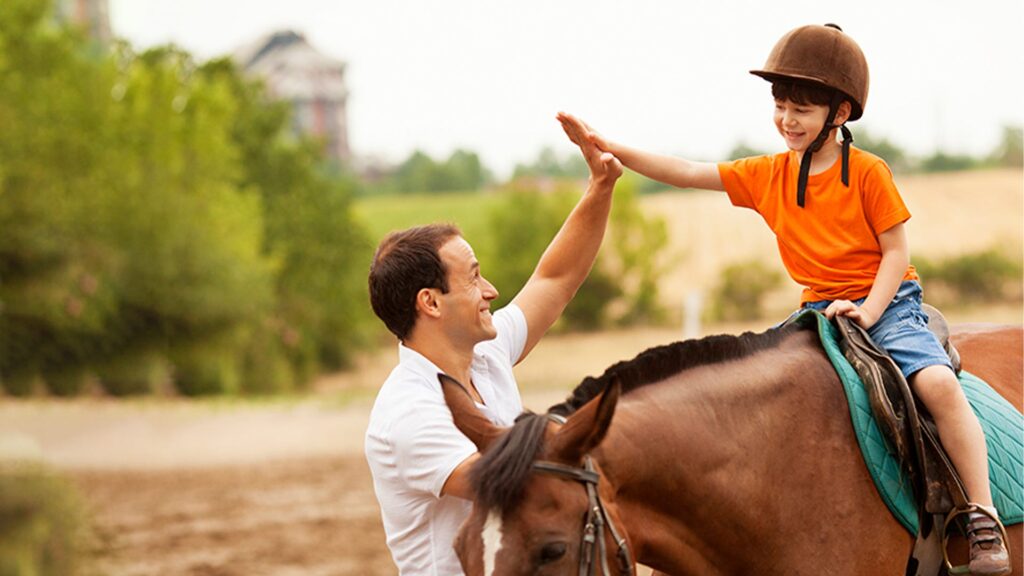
{"type": "Point", "coordinates": [821, 55]}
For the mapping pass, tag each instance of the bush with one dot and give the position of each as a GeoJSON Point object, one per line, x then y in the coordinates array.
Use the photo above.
{"type": "Point", "coordinates": [21, 384]}
{"type": "Point", "coordinates": [134, 373]}
{"type": "Point", "coordinates": [589, 308]}
{"type": "Point", "coordinates": [989, 275]}
{"type": "Point", "coordinates": [266, 367]}
{"type": "Point", "coordinates": [621, 287]}
{"type": "Point", "coordinates": [202, 370]}
{"type": "Point", "coordinates": [67, 381]}
{"type": "Point", "coordinates": [42, 527]}
{"type": "Point", "coordinates": [740, 292]}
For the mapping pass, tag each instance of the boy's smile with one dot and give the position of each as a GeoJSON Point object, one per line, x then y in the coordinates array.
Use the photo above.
{"type": "Point", "coordinates": [799, 124]}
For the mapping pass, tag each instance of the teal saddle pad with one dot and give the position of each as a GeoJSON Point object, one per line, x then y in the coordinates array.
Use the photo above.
{"type": "Point", "coordinates": [1004, 436]}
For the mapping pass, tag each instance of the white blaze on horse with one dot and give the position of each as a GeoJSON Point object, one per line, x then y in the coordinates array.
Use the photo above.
{"type": "Point", "coordinates": [726, 455]}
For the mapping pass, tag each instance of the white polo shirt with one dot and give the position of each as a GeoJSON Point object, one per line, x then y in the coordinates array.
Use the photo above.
{"type": "Point", "coordinates": [412, 446]}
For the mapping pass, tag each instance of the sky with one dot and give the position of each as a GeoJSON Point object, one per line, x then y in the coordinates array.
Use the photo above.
{"type": "Point", "coordinates": [666, 76]}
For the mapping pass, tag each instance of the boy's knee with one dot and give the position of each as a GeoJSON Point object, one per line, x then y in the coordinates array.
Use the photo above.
{"type": "Point", "coordinates": [937, 385]}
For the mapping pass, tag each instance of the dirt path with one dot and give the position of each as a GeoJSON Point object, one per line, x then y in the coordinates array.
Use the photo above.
{"type": "Point", "coordinates": [175, 488]}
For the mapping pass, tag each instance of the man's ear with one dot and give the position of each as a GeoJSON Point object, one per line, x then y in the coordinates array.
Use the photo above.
{"type": "Point", "coordinates": [427, 302]}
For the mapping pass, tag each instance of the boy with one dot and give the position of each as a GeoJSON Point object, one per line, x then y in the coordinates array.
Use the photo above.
{"type": "Point", "coordinates": [839, 222]}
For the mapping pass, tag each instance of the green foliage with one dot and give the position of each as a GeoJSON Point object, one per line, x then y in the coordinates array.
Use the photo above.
{"type": "Point", "coordinates": [383, 214]}
{"type": "Point", "coordinates": [893, 155]}
{"type": "Point", "coordinates": [943, 162]}
{"type": "Point", "coordinates": [622, 286]}
{"type": "Point", "coordinates": [989, 275]}
{"type": "Point", "coordinates": [740, 293]}
{"type": "Point", "coordinates": [134, 373]}
{"type": "Point", "coordinates": [549, 165]}
{"type": "Point", "coordinates": [150, 203]}
{"type": "Point", "coordinates": [42, 527]}
{"type": "Point", "coordinates": [743, 150]}
{"type": "Point", "coordinates": [521, 227]}
{"type": "Point", "coordinates": [1010, 152]}
{"type": "Point", "coordinates": [20, 383]}
{"type": "Point", "coordinates": [67, 381]}
{"type": "Point", "coordinates": [461, 172]}
{"type": "Point", "coordinates": [635, 258]}
{"type": "Point", "coordinates": [206, 368]}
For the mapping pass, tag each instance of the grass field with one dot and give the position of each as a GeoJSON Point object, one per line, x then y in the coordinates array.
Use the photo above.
{"type": "Point", "coordinates": [469, 210]}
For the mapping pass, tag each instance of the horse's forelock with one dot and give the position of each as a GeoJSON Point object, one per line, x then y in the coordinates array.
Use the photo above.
{"type": "Point", "coordinates": [499, 477]}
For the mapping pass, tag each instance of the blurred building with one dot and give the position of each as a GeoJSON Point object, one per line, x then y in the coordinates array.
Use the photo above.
{"type": "Point", "coordinates": [312, 81]}
{"type": "Point", "coordinates": [92, 15]}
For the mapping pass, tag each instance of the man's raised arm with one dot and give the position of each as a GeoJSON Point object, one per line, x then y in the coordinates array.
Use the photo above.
{"type": "Point", "coordinates": [568, 259]}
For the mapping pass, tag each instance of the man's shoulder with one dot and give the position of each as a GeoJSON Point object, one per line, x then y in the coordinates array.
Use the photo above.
{"type": "Point", "coordinates": [407, 389]}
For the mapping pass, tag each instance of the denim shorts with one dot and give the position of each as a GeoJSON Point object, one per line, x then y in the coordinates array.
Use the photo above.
{"type": "Point", "coordinates": [902, 331]}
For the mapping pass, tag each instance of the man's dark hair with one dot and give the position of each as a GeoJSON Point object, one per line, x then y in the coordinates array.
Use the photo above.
{"type": "Point", "coordinates": [802, 93]}
{"type": "Point", "coordinates": [406, 262]}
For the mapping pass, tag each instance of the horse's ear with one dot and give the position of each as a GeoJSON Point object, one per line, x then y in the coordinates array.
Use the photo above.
{"type": "Point", "coordinates": [586, 428]}
{"type": "Point", "coordinates": [467, 417]}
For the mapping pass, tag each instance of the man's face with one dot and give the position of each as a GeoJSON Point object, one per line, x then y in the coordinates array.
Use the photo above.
{"type": "Point", "coordinates": [466, 308]}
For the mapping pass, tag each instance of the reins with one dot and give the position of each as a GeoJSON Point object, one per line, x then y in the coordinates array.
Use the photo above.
{"type": "Point", "coordinates": [592, 544]}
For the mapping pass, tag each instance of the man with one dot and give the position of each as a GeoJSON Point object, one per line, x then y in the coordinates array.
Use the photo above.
{"type": "Point", "coordinates": [427, 288]}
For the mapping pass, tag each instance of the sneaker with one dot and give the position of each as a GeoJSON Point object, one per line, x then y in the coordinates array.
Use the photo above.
{"type": "Point", "coordinates": [988, 552]}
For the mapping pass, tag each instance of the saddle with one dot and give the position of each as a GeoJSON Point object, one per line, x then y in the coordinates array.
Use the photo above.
{"type": "Point", "coordinates": [911, 433]}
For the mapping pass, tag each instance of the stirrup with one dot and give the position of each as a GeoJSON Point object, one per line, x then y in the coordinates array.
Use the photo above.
{"type": "Point", "coordinates": [953, 515]}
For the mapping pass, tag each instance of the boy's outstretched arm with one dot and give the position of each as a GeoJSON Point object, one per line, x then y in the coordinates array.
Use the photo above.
{"type": "Point", "coordinates": [670, 170]}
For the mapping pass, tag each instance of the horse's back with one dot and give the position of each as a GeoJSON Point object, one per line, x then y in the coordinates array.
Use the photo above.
{"type": "Point", "coordinates": [995, 354]}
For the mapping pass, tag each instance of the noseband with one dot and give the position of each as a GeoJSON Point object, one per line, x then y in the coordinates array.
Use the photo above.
{"type": "Point", "coordinates": [592, 544]}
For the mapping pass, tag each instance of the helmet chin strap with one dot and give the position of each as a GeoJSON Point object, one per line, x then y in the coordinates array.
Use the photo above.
{"type": "Point", "coordinates": [805, 161]}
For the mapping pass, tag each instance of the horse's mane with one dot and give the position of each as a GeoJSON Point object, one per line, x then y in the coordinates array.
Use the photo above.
{"type": "Point", "coordinates": [499, 477]}
{"type": "Point", "coordinates": [658, 363]}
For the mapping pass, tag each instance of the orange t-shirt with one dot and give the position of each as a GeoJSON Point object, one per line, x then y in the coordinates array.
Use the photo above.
{"type": "Point", "coordinates": [830, 246]}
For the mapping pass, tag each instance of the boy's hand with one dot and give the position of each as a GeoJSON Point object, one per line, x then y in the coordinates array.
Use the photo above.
{"type": "Point", "coordinates": [856, 313]}
{"type": "Point", "coordinates": [579, 132]}
{"type": "Point", "coordinates": [603, 165]}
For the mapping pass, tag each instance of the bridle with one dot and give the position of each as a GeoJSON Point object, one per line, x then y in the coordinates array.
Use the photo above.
{"type": "Point", "coordinates": [592, 543]}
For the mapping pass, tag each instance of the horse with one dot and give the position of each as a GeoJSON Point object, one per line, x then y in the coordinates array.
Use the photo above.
{"type": "Point", "coordinates": [726, 455]}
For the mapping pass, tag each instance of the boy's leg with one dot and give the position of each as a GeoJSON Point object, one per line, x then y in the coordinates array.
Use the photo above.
{"type": "Point", "coordinates": [959, 429]}
{"type": "Point", "coordinates": [964, 441]}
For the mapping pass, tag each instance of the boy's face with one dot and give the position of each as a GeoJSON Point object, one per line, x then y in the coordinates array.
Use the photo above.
{"type": "Point", "coordinates": [799, 124]}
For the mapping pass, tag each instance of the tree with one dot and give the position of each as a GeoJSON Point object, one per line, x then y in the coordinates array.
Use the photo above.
{"type": "Point", "coordinates": [549, 165]}
{"type": "Point", "coordinates": [1010, 152]}
{"type": "Point", "coordinates": [893, 155]}
{"type": "Point", "coordinates": [153, 209]}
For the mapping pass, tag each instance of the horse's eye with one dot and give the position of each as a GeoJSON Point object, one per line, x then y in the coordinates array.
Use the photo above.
{"type": "Point", "coordinates": [551, 552]}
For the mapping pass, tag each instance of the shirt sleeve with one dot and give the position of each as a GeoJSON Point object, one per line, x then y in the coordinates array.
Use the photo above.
{"type": "Point", "coordinates": [882, 202]}
{"type": "Point", "coordinates": [744, 180]}
{"type": "Point", "coordinates": [428, 445]}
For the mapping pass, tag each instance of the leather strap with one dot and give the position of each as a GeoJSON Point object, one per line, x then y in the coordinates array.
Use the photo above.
{"type": "Point", "coordinates": [593, 551]}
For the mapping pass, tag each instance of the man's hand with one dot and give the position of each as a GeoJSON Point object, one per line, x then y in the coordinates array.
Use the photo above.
{"type": "Point", "coordinates": [603, 164]}
{"type": "Point", "coordinates": [862, 317]}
